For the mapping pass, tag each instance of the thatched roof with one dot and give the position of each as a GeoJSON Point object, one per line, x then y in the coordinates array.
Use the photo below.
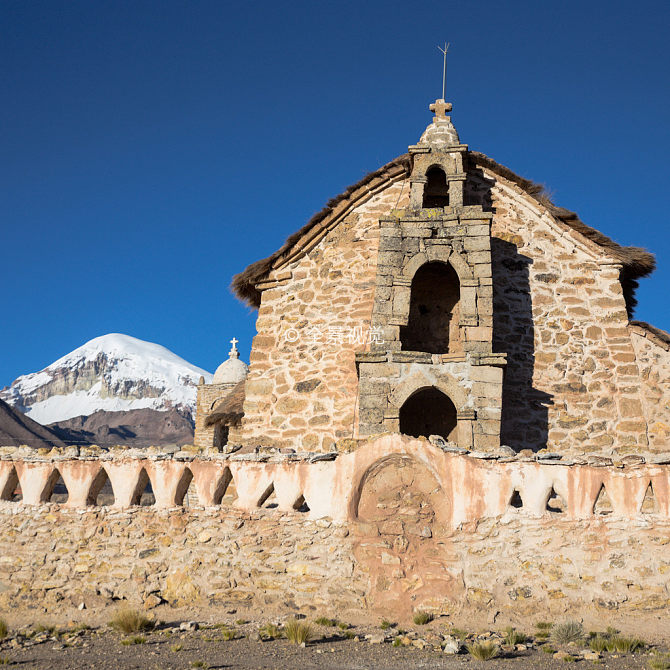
{"type": "Point", "coordinates": [229, 410]}
{"type": "Point", "coordinates": [636, 262]}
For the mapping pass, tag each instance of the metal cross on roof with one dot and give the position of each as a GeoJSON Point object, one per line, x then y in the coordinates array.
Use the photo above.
{"type": "Point", "coordinates": [234, 351]}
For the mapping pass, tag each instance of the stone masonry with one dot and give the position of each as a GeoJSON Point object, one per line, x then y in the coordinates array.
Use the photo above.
{"type": "Point", "coordinates": [460, 236]}
{"type": "Point", "coordinates": [541, 353]}
{"type": "Point", "coordinates": [399, 522]}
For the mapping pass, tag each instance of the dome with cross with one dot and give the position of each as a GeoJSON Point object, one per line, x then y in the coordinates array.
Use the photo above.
{"type": "Point", "coordinates": [232, 370]}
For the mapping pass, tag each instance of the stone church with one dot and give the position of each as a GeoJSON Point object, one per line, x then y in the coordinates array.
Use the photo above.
{"type": "Point", "coordinates": [445, 295]}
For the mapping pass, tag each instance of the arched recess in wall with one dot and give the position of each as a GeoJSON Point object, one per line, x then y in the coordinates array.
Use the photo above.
{"type": "Point", "coordinates": [11, 490]}
{"type": "Point", "coordinates": [436, 188]}
{"type": "Point", "coordinates": [428, 412]}
{"type": "Point", "coordinates": [434, 311]}
{"type": "Point", "coordinates": [143, 494]}
{"type": "Point", "coordinates": [101, 492]}
{"type": "Point", "coordinates": [186, 493]}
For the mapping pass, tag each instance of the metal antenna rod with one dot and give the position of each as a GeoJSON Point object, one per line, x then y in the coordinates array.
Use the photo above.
{"type": "Point", "coordinates": [444, 66]}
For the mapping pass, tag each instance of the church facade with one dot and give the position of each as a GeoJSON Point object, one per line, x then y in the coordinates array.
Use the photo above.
{"type": "Point", "coordinates": [445, 295]}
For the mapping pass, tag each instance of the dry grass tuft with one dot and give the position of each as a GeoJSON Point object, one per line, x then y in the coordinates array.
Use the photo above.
{"type": "Point", "coordinates": [135, 639]}
{"type": "Point", "coordinates": [512, 636]}
{"type": "Point", "coordinates": [297, 632]}
{"type": "Point", "coordinates": [567, 631]}
{"type": "Point", "coordinates": [269, 631]}
{"type": "Point", "coordinates": [422, 618]}
{"type": "Point", "coordinates": [660, 662]}
{"type": "Point", "coordinates": [4, 629]}
{"type": "Point", "coordinates": [483, 651]}
{"type": "Point", "coordinates": [128, 621]}
{"type": "Point", "coordinates": [325, 621]}
{"type": "Point", "coordinates": [624, 645]}
{"type": "Point", "coordinates": [599, 644]}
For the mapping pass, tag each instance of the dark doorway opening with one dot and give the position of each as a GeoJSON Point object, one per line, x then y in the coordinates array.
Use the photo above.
{"type": "Point", "coordinates": [436, 190]}
{"type": "Point", "coordinates": [434, 311]}
{"type": "Point", "coordinates": [428, 412]}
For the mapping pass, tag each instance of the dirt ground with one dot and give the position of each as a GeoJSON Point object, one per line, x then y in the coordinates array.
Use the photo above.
{"type": "Point", "coordinates": [331, 647]}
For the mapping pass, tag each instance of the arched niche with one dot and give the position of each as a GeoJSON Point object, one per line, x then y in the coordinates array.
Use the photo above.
{"type": "Point", "coordinates": [436, 188]}
{"type": "Point", "coordinates": [428, 412]}
{"type": "Point", "coordinates": [434, 311]}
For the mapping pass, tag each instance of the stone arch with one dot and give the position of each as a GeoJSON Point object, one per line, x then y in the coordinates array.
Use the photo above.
{"type": "Point", "coordinates": [421, 451]}
{"type": "Point", "coordinates": [442, 253]}
{"type": "Point", "coordinates": [418, 380]}
{"type": "Point", "coordinates": [55, 478]}
{"type": "Point", "coordinates": [453, 257]}
{"type": "Point", "coordinates": [399, 535]}
{"type": "Point", "coordinates": [142, 485]}
{"type": "Point", "coordinates": [446, 384]}
{"type": "Point", "coordinates": [428, 412]}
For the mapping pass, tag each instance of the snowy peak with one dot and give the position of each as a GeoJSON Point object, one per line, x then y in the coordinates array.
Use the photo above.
{"type": "Point", "coordinates": [114, 372]}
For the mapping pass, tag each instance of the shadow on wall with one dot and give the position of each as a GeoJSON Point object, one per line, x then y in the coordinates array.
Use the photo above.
{"type": "Point", "coordinates": [525, 413]}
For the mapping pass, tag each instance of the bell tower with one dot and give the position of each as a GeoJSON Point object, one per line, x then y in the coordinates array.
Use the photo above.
{"type": "Point", "coordinates": [435, 371]}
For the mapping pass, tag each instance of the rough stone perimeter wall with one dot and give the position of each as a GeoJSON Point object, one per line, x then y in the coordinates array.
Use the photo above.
{"type": "Point", "coordinates": [398, 522]}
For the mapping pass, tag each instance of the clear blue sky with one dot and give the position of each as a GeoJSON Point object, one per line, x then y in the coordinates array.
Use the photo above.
{"type": "Point", "coordinates": [152, 149]}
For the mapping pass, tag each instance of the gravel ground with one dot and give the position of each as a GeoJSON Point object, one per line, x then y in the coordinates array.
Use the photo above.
{"type": "Point", "coordinates": [170, 647]}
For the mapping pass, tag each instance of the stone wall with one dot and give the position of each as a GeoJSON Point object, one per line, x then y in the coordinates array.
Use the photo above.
{"type": "Point", "coordinates": [398, 523]}
{"type": "Point", "coordinates": [653, 359]}
{"type": "Point", "coordinates": [575, 381]}
{"type": "Point", "coordinates": [302, 382]}
{"type": "Point", "coordinates": [572, 383]}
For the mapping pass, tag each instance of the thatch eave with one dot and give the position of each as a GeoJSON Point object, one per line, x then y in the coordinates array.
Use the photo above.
{"type": "Point", "coordinates": [635, 261]}
{"type": "Point", "coordinates": [229, 410]}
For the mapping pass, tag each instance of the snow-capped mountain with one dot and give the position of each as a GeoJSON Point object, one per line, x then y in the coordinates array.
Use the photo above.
{"type": "Point", "coordinates": [113, 373]}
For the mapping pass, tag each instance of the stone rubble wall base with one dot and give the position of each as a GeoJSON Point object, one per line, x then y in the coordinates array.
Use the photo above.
{"type": "Point", "coordinates": [274, 562]}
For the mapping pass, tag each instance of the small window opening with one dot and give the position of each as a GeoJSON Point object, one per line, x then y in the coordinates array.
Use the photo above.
{"type": "Point", "coordinates": [555, 503]}
{"type": "Point", "coordinates": [300, 505]}
{"type": "Point", "coordinates": [226, 493]}
{"type": "Point", "coordinates": [650, 502]}
{"type": "Point", "coordinates": [436, 189]}
{"type": "Point", "coordinates": [269, 498]}
{"type": "Point", "coordinates": [603, 504]}
{"type": "Point", "coordinates": [220, 435]}
{"type": "Point", "coordinates": [101, 492]}
{"type": "Point", "coordinates": [516, 501]}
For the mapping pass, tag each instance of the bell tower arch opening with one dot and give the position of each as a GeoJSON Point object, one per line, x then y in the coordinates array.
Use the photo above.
{"type": "Point", "coordinates": [436, 190]}
{"type": "Point", "coordinates": [434, 311]}
{"type": "Point", "coordinates": [429, 412]}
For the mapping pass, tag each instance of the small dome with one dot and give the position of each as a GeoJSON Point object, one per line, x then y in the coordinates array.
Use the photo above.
{"type": "Point", "coordinates": [230, 372]}
{"type": "Point", "coordinates": [441, 132]}
{"type": "Point", "coordinates": [233, 370]}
